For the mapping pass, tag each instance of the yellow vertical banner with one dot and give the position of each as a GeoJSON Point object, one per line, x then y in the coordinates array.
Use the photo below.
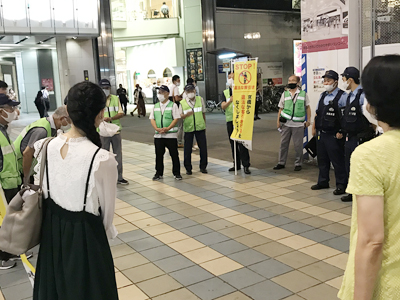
{"type": "Point", "coordinates": [244, 100]}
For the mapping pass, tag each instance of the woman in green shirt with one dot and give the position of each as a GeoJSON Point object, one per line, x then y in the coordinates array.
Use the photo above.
{"type": "Point", "coordinates": [373, 268]}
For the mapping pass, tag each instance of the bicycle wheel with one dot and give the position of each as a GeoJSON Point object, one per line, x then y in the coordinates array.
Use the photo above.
{"type": "Point", "coordinates": [210, 105]}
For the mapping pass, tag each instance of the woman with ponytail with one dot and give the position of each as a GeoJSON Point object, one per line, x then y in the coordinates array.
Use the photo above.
{"type": "Point", "coordinates": [79, 187]}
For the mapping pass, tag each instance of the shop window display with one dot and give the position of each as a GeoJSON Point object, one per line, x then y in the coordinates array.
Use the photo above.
{"type": "Point", "coordinates": [133, 10]}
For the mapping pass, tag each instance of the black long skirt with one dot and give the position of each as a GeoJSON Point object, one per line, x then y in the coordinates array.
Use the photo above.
{"type": "Point", "coordinates": [75, 261]}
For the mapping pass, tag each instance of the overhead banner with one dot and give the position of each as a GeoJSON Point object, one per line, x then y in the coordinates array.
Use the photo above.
{"type": "Point", "coordinates": [244, 100]}
{"type": "Point", "coordinates": [325, 25]}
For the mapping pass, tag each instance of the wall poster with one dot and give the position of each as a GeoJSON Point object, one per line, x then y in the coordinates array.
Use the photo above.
{"type": "Point", "coordinates": [195, 64]}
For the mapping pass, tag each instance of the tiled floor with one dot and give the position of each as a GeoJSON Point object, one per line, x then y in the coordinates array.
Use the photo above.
{"type": "Point", "coordinates": [220, 236]}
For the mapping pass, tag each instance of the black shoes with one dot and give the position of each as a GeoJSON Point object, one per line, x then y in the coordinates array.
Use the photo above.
{"type": "Point", "coordinates": [278, 167]}
{"type": "Point", "coordinates": [247, 170]}
{"type": "Point", "coordinates": [178, 177]}
{"type": "Point", "coordinates": [204, 171]}
{"type": "Point", "coordinates": [123, 182]}
{"type": "Point", "coordinates": [339, 191]}
{"type": "Point", "coordinates": [316, 187]}
{"type": "Point", "coordinates": [157, 177]}
{"type": "Point", "coordinates": [347, 198]}
{"type": "Point", "coordinates": [233, 169]}
{"type": "Point", "coordinates": [297, 168]}
{"type": "Point", "coordinates": [189, 172]}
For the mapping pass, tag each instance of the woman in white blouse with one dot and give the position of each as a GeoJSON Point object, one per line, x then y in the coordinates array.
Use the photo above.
{"type": "Point", "coordinates": [79, 187]}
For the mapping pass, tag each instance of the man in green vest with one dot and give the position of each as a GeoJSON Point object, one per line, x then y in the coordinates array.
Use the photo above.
{"type": "Point", "coordinates": [38, 130]}
{"type": "Point", "coordinates": [164, 119]}
{"type": "Point", "coordinates": [242, 153]}
{"type": "Point", "coordinates": [10, 178]}
{"type": "Point", "coordinates": [192, 110]}
{"type": "Point", "coordinates": [294, 107]}
{"type": "Point", "coordinates": [112, 114]}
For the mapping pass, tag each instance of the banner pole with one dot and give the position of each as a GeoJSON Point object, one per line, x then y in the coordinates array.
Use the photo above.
{"type": "Point", "coordinates": [234, 151]}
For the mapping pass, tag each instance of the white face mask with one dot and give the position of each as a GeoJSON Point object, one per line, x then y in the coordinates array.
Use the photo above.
{"type": "Point", "coordinates": [161, 97]}
{"type": "Point", "coordinates": [10, 116]}
{"type": "Point", "coordinates": [177, 83]}
{"type": "Point", "coordinates": [191, 95]}
{"type": "Point", "coordinates": [346, 85]}
{"type": "Point", "coordinates": [65, 128]}
{"type": "Point", "coordinates": [107, 92]}
{"type": "Point", "coordinates": [230, 82]}
{"type": "Point", "coordinates": [330, 87]}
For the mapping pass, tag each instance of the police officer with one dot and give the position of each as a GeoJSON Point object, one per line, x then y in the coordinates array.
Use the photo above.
{"type": "Point", "coordinates": [113, 113]}
{"type": "Point", "coordinates": [354, 121]}
{"type": "Point", "coordinates": [10, 178]}
{"type": "Point", "coordinates": [192, 110]}
{"type": "Point", "coordinates": [40, 129]}
{"type": "Point", "coordinates": [328, 129]}
{"type": "Point", "coordinates": [242, 153]}
{"type": "Point", "coordinates": [164, 118]}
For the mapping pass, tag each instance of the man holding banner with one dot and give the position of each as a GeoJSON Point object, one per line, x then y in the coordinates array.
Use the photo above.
{"type": "Point", "coordinates": [244, 98]}
{"type": "Point", "coordinates": [242, 153]}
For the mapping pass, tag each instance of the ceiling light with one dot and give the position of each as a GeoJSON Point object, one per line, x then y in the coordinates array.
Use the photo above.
{"type": "Point", "coordinates": [74, 37]}
{"type": "Point", "coordinates": [252, 36]}
{"type": "Point", "coordinates": [227, 55]}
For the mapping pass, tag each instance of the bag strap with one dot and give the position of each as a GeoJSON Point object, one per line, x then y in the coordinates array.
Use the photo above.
{"type": "Point", "coordinates": [88, 178]}
{"type": "Point", "coordinates": [44, 166]}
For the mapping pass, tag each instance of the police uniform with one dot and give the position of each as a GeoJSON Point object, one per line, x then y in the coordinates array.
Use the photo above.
{"type": "Point", "coordinates": [194, 125]}
{"type": "Point", "coordinates": [329, 148]}
{"type": "Point", "coordinates": [242, 153]}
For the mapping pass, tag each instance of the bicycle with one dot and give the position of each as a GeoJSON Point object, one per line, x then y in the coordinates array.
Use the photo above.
{"type": "Point", "coordinates": [211, 105]}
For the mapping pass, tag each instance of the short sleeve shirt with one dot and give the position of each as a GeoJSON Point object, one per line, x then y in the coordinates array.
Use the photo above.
{"type": "Point", "coordinates": [173, 90]}
{"type": "Point", "coordinates": [175, 115]}
{"type": "Point", "coordinates": [375, 171]}
{"type": "Point", "coordinates": [281, 104]}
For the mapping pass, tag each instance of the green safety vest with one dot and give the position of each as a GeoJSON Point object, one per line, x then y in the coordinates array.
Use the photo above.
{"type": "Point", "coordinates": [164, 119]}
{"type": "Point", "coordinates": [43, 123]}
{"type": "Point", "coordinates": [196, 121]}
{"type": "Point", "coordinates": [229, 109]}
{"type": "Point", "coordinates": [10, 177]}
{"type": "Point", "coordinates": [299, 113]}
{"type": "Point", "coordinates": [112, 110]}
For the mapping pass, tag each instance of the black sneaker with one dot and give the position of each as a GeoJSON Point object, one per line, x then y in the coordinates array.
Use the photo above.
{"type": "Point", "coordinates": [189, 172]}
{"type": "Point", "coordinates": [178, 177]}
{"type": "Point", "coordinates": [5, 265]}
{"type": "Point", "coordinates": [157, 177]}
{"type": "Point", "coordinates": [204, 171]}
{"type": "Point", "coordinates": [347, 198]}
{"type": "Point", "coordinates": [278, 167]}
{"type": "Point", "coordinates": [233, 169]}
{"type": "Point", "coordinates": [297, 168]}
{"type": "Point", "coordinates": [316, 187]}
{"type": "Point", "coordinates": [28, 254]}
{"type": "Point", "coordinates": [123, 182]}
{"type": "Point", "coordinates": [339, 191]}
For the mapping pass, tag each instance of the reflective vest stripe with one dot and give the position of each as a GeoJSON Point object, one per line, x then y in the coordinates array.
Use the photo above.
{"type": "Point", "coordinates": [113, 108]}
{"type": "Point", "coordinates": [7, 149]}
{"type": "Point", "coordinates": [285, 115]}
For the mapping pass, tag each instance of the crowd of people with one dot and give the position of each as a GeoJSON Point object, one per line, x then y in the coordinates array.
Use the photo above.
{"type": "Point", "coordinates": [83, 173]}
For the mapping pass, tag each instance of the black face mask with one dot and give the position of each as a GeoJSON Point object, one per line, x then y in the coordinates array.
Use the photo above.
{"type": "Point", "coordinates": [292, 86]}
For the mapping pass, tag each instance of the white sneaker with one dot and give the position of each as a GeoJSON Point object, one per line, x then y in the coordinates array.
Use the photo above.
{"type": "Point", "coordinates": [7, 264]}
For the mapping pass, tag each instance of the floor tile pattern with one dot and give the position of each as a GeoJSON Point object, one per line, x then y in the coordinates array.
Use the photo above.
{"type": "Point", "coordinates": [219, 236]}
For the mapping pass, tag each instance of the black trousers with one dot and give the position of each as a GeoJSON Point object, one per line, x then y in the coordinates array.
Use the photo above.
{"type": "Point", "coordinates": [172, 146]}
{"type": "Point", "coordinates": [9, 195]}
{"type": "Point", "coordinates": [258, 104]}
{"type": "Point", "coordinates": [201, 142]}
{"type": "Point", "coordinates": [242, 153]}
{"type": "Point", "coordinates": [349, 147]}
{"type": "Point", "coordinates": [41, 109]}
{"type": "Point", "coordinates": [124, 106]}
{"type": "Point", "coordinates": [330, 149]}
